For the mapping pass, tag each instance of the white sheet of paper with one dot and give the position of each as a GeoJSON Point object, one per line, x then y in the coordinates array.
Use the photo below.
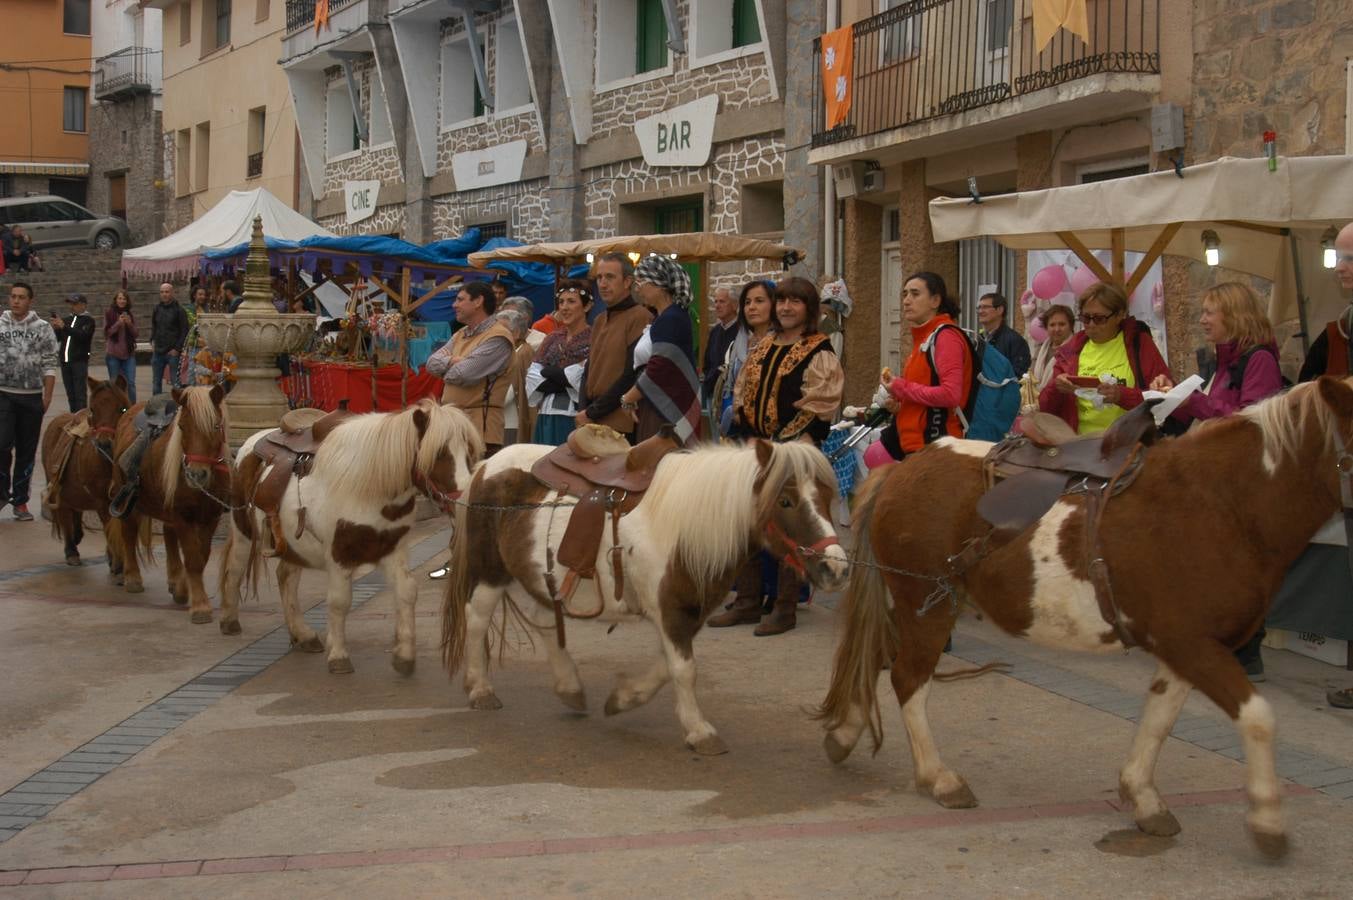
{"type": "Point", "coordinates": [1170, 401]}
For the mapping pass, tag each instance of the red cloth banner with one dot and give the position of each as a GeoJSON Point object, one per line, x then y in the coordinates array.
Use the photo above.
{"type": "Point", "coordinates": [323, 385]}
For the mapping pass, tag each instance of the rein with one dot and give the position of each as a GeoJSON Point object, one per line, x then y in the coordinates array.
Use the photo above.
{"type": "Point", "coordinates": [794, 553]}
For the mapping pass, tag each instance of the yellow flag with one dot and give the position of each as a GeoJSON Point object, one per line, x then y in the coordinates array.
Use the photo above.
{"type": "Point", "coordinates": [1049, 15]}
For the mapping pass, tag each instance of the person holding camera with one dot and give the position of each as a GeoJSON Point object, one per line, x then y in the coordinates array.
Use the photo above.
{"type": "Point", "coordinates": [74, 335]}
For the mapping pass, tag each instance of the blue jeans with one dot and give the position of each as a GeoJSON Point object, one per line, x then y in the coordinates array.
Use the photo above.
{"type": "Point", "coordinates": [126, 368]}
{"type": "Point", "coordinates": [158, 363]}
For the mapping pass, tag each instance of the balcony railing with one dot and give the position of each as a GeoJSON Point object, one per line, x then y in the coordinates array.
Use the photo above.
{"type": "Point", "coordinates": [254, 166]}
{"type": "Point", "coordinates": [131, 70]}
{"type": "Point", "coordinates": [931, 58]}
{"type": "Point", "coordinates": [301, 13]}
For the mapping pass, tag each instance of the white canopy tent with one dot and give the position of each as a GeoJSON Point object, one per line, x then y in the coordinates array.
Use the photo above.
{"type": "Point", "coordinates": [227, 224]}
{"type": "Point", "coordinates": [1267, 223]}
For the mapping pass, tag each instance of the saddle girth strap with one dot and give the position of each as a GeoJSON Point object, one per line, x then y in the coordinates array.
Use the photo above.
{"type": "Point", "coordinates": [1097, 496]}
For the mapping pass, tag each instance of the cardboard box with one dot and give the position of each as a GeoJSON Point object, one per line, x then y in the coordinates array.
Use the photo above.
{"type": "Point", "coordinates": [1327, 650]}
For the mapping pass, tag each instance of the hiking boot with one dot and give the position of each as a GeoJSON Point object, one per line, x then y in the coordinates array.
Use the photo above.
{"type": "Point", "coordinates": [1254, 670]}
{"type": "Point", "coordinates": [1340, 699]}
{"type": "Point", "coordinates": [782, 617]}
{"type": "Point", "coordinates": [21, 513]}
{"type": "Point", "coordinates": [746, 608]}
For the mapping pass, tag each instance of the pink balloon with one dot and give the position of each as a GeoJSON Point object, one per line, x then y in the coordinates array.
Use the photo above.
{"type": "Point", "coordinates": [1036, 330]}
{"type": "Point", "coordinates": [1049, 281]}
{"type": "Point", "coordinates": [1081, 279]}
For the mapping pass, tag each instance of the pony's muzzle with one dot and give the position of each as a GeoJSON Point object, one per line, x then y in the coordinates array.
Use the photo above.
{"type": "Point", "coordinates": [198, 476]}
{"type": "Point", "coordinates": [830, 569]}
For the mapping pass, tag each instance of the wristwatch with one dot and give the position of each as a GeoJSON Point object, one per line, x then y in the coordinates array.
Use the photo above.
{"type": "Point", "coordinates": [624, 404]}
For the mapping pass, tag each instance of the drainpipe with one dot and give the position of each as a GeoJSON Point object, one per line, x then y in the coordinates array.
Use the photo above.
{"type": "Point", "coordinates": [829, 182]}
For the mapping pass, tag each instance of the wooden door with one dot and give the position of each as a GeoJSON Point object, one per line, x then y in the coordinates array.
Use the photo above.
{"type": "Point", "coordinates": [117, 195]}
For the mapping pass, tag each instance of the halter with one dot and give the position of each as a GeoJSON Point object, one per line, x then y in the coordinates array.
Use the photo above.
{"type": "Point", "coordinates": [218, 462]}
{"type": "Point", "coordinates": [794, 552]}
{"type": "Point", "coordinates": [443, 499]}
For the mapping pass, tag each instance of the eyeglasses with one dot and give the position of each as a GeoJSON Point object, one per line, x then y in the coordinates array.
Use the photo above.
{"type": "Point", "coordinates": [1096, 318]}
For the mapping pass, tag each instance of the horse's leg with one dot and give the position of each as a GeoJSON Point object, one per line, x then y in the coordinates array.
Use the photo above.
{"type": "Point", "coordinates": [68, 523]}
{"type": "Point", "coordinates": [303, 637]}
{"type": "Point", "coordinates": [173, 565]}
{"type": "Point", "coordinates": [484, 599]}
{"type": "Point", "coordinates": [568, 687]}
{"type": "Point", "coordinates": [700, 734]}
{"type": "Point", "coordinates": [131, 563]}
{"type": "Point", "coordinates": [195, 544]}
{"type": "Point", "coordinates": [114, 562]}
{"type": "Point", "coordinates": [1213, 669]}
{"type": "Point", "coordinates": [339, 601]}
{"type": "Point", "coordinates": [1136, 782]}
{"type": "Point", "coordinates": [920, 644]}
{"type": "Point", "coordinates": [396, 569]}
{"type": "Point", "coordinates": [630, 692]}
{"type": "Point", "coordinates": [234, 559]}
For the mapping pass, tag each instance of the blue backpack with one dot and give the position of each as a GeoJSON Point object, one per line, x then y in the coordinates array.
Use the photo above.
{"type": "Point", "coordinates": [993, 396]}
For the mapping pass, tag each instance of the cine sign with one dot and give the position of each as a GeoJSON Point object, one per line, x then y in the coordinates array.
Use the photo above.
{"type": "Point", "coordinates": [680, 136]}
{"type": "Point", "coordinates": [360, 198]}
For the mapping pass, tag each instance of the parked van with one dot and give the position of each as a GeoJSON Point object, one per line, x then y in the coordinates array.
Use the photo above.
{"type": "Point", "coordinates": [53, 221]}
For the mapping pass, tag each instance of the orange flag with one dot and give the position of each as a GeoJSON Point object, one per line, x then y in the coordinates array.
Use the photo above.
{"type": "Point", "coordinates": [321, 15]}
{"type": "Point", "coordinates": [838, 54]}
{"type": "Point", "coordinates": [1049, 15]}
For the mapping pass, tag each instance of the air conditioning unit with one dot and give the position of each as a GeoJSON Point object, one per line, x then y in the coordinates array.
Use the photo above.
{"type": "Point", "coordinates": [849, 179]}
{"type": "Point", "coordinates": [872, 181]}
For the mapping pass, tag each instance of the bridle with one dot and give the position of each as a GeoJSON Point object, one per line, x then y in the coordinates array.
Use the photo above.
{"type": "Point", "coordinates": [218, 462]}
{"type": "Point", "coordinates": [444, 500]}
{"type": "Point", "coordinates": [793, 553]}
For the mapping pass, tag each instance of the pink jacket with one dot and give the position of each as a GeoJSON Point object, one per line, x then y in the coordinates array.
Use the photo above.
{"type": "Point", "coordinates": [1261, 379]}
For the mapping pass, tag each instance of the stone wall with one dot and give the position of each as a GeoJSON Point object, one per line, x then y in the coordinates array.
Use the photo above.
{"type": "Point", "coordinates": [864, 279]}
{"type": "Point", "coordinates": [127, 138]}
{"type": "Point", "coordinates": [525, 206]}
{"type": "Point", "coordinates": [387, 219]}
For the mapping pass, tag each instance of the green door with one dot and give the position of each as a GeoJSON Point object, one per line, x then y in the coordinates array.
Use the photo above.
{"type": "Point", "coordinates": [684, 217]}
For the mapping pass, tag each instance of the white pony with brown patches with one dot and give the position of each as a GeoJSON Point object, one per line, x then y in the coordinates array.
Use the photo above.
{"type": "Point", "coordinates": [704, 514]}
{"type": "Point", "coordinates": [354, 509]}
{"type": "Point", "coordinates": [1195, 548]}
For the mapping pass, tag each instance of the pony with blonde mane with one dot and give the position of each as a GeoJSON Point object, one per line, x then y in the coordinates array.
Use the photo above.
{"type": "Point", "coordinates": [681, 547]}
{"type": "Point", "coordinates": [184, 483]}
{"type": "Point", "coordinates": [1195, 550]}
{"type": "Point", "coordinates": [354, 509]}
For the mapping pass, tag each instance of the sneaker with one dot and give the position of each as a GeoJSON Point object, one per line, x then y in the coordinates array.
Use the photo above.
{"type": "Point", "coordinates": [21, 513]}
{"type": "Point", "coordinates": [1254, 671]}
{"type": "Point", "coordinates": [1340, 699]}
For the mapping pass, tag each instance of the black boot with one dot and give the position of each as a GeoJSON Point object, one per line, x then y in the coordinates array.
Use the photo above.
{"type": "Point", "coordinates": [746, 608]}
{"type": "Point", "coordinates": [1251, 657]}
{"type": "Point", "coordinates": [782, 617]}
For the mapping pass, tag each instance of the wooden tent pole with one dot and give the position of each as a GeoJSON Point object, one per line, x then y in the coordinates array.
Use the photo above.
{"type": "Point", "coordinates": [405, 289]}
{"type": "Point", "coordinates": [1117, 239]}
{"type": "Point", "coordinates": [1075, 245]}
{"type": "Point", "coordinates": [1155, 252]}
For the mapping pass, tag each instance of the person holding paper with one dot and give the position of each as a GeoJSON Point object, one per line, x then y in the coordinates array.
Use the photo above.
{"type": "Point", "coordinates": [1100, 372]}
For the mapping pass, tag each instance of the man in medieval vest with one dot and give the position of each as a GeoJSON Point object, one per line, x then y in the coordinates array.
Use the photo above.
{"type": "Point", "coordinates": [610, 362]}
{"type": "Point", "coordinates": [472, 362]}
{"type": "Point", "coordinates": [1332, 352]}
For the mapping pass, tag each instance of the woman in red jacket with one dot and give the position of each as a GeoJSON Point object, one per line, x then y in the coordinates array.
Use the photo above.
{"type": "Point", "coordinates": [1115, 350]}
{"type": "Point", "coordinates": [927, 397]}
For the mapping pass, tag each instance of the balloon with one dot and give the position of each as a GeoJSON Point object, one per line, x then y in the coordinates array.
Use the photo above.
{"type": "Point", "coordinates": [1028, 303]}
{"type": "Point", "coordinates": [1048, 282]}
{"type": "Point", "coordinates": [1081, 279]}
{"type": "Point", "coordinates": [1037, 332]}
{"type": "Point", "coordinates": [1158, 300]}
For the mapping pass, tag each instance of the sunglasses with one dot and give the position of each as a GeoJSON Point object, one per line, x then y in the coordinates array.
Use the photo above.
{"type": "Point", "coordinates": [1096, 318]}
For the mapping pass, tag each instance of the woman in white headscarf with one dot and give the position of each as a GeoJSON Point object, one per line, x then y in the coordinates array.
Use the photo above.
{"type": "Point", "coordinates": [667, 391]}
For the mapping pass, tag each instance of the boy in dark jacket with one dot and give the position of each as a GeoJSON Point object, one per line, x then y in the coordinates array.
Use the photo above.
{"type": "Point", "coordinates": [74, 335]}
{"type": "Point", "coordinates": [168, 331]}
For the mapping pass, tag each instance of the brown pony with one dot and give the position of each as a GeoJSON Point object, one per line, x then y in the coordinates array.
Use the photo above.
{"type": "Point", "coordinates": [82, 484]}
{"type": "Point", "coordinates": [1195, 550]}
{"type": "Point", "coordinates": [185, 483]}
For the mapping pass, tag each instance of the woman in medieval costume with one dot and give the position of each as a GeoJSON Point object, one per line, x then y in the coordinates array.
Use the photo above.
{"type": "Point", "coordinates": [788, 390]}
{"type": "Point", "coordinates": [667, 390]}
{"type": "Point", "coordinates": [554, 380]}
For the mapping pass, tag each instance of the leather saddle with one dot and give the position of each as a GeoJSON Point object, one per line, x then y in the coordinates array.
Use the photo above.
{"type": "Point", "coordinates": [149, 423]}
{"type": "Point", "coordinates": [290, 451]}
{"type": "Point", "coordinates": [609, 478]}
{"type": "Point", "coordinates": [1030, 472]}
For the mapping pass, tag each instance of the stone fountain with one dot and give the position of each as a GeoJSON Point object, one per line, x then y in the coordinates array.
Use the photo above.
{"type": "Point", "coordinates": [256, 333]}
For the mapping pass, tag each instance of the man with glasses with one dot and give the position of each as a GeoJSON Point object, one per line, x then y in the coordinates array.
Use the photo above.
{"type": "Point", "coordinates": [1332, 352]}
{"type": "Point", "coordinates": [991, 312]}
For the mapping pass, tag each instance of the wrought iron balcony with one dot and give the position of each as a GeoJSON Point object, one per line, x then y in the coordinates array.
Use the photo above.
{"type": "Point", "coordinates": [129, 71]}
{"type": "Point", "coordinates": [931, 58]}
{"type": "Point", "coordinates": [301, 13]}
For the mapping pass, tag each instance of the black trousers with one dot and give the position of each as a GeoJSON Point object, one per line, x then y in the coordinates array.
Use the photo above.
{"type": "Point", "coordinates": [73, 375]}
{"type": "Point", "coordinates": [20, 427]}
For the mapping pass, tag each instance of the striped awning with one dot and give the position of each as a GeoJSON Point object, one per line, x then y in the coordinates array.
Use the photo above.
{"type": "Point", "coordinates": [42, 168]}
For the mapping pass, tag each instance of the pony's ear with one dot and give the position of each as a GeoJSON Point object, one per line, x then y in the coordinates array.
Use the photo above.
{"type": "Point", "coordinates": [763, 452]}
{"type": "Point", "coordinates": [94, 383]}
{"type": "Point", "coordinates": [121, 383]}
{"type": "Point", "coordinates": [420, 421]}
{"type": "Point", "coordinates": [217, 394]}
{"type": "Point", "coordinates": [1338, 394]}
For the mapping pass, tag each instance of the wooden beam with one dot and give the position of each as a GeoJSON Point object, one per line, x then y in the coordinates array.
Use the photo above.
{"type": "Point", "coordinates": [385, 289]}
{"type": "Point", "coordinates": [1118, 238]}
{"type": "Point", "coordinates": [1155, 252]}
{"type": "Point", "coordinates": [1075, 245]}
{"type": "Point", "coordinates": [1251, 226]}
{"type": "Point", "coordinates": [436, 289]}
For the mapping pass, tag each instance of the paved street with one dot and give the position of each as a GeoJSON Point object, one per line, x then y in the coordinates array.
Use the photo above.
{"type": "Point", "coordinates": [141, 756]}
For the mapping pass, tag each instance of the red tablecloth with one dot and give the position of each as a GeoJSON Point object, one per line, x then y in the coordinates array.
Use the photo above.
{"type": "Point", "coordinates": [322, 385]}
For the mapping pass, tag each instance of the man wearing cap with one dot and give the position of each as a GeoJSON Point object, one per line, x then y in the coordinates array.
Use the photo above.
{"type": "Point", "coordinates": [74, 335]}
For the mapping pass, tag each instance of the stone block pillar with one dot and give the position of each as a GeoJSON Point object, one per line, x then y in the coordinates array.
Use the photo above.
{"type": "Point", "coordinates": [864, 278]}
{"type": "Point", "coordinates": [1033, 172]}
{"type": "Point", "coordinates": [804, 21]}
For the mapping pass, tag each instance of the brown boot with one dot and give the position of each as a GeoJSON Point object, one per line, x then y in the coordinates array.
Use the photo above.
{"type": "Point", "coordinates": [746, 609]}
{"type": "Point", "coordinates": [782, 617]}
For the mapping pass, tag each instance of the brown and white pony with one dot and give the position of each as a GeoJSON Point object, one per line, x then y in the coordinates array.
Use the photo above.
{"type": "Point", "coordinates": [185, 483]}
{"type": "Point", "coordinates": [703, 516]}
{"type": "Point", "coordinates": [1195, 548]}
{"type": "Point", "coordinates": [355, 508]}
{"type": "Point", "coordinates": [89, 468]}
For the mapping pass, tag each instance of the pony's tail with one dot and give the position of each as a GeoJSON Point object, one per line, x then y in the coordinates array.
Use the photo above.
{"type": "Point", "coordinates": [869, 638]}
{"type": "Point", "coordinates": [457, 593]}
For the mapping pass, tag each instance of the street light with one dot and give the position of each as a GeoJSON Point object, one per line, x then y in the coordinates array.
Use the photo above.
{"type": "Point", "coordinates": [1330, 256]}
{"type": "Point", "coordinates": [1211, 247]}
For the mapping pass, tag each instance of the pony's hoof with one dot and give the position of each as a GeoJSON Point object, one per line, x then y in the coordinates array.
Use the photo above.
{"type": "Point", "coordinates": [230, 626]}
{"type": "Point", "coordinates": [488, 701]}
{"type": "Point", "coordinates": [575, 700]}
{"type": "Point", "coordinates": [836, 751]}
{"type": "Point", "coordinates": [312, 644]}
{"type": "Point", "coordinates": [340, 666]}
{"type": "Point", "coordinates": [74, 560]}
{"type": "Point", "coordinates": [710, 745]}
{"type": "Point", "coordinates": [181, 600]}
{"type": "Point", "coordinates": [1272, 846]}
{"type": "Point", "coordinates": [613, 707]}
{"type": "Point", "coordinates": [1162, 824]}
{"type": "Point", "coordinates": [201, 618]}
{"type": "Point", "coordinates": [960, 797]}
{"type": "Point", "coordinates": [404, 666]}
{"type": "Point", "coordinates": [133, 587]}
{"type": "Point", "coordinates": [116, 578]}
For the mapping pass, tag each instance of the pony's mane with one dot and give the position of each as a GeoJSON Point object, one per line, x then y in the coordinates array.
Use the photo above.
{"type": "Point", "coordinates": [377, 452]}
{"type": "Point", "coordinates": [206, 417]}
{"type": "Point", "coordinates": [705, 501]}
{"type": "Point", "coordinates": [1283, 418]}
